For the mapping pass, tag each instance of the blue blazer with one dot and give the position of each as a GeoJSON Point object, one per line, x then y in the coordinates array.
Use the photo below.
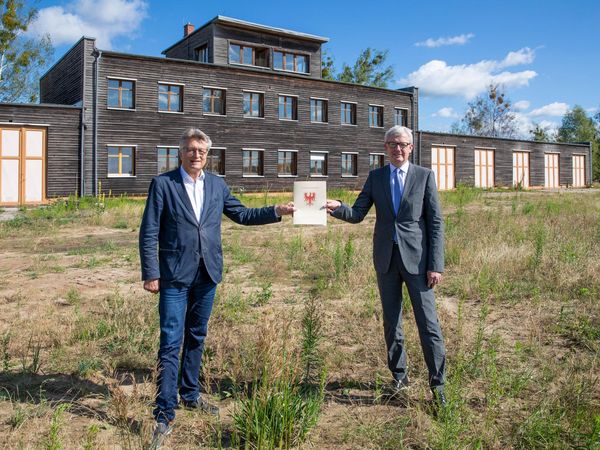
{"type": "Point", "coordinates": [419, 224]}
{"type": "Point", "coordinates": [171, 239]}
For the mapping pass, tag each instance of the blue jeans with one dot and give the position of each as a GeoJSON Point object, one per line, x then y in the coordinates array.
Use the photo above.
{"type": "Point", "coordinates": [184, 312]}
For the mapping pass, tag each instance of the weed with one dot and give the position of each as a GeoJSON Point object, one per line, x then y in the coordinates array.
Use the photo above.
{"type": "Point", "coordinates": [312, 334]}
{"type": "Point", "coordinates": [4, 343]}
{"type": "Point", "coordinates": [53, 441]}
{"type": "Point", "coordinates": [90, 437]}
{"type": "Point", "coordinates": [265, 294]}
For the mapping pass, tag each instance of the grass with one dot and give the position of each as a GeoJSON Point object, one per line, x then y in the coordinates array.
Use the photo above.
{"type": "Point", "coordinates": [518, 306]}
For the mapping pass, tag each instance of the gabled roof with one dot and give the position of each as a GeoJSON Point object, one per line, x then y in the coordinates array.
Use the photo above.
{"type": "Point", "coordinates": [237, 23]}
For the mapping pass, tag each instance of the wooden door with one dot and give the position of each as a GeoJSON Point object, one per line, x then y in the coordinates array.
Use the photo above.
{"type": "Point", "coordinates": [22, 166]}
{"type": "Point", "coordinates": [442, 164]}
{"type": "Point", "coordinates": [521, 169]}
{"type": "Point", "coordinates": [551, 170]}
{"type": "Point", "coordinates": [484, 168]}
{"type": "Point", "coordinates": [578, 170]}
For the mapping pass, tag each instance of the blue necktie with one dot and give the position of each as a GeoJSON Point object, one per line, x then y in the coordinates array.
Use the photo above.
{"type": "Point", "coordinates": [398, 188]}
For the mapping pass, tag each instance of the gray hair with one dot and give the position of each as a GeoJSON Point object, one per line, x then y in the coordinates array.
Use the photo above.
{"type": "Point", "coordinates": [398, 130]}
{"type": "Point", "coordinates": [196, 134]}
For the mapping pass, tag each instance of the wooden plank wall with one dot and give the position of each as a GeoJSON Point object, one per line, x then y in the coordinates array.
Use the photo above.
{"type": "Point", "coordinates": [146, 128]}
{"type": "Point", "coordinates": [504, 148]}
{"type": "Point", "coordinates": [63, 83]}
{"type": "Point", "coordinates": [62, 150]}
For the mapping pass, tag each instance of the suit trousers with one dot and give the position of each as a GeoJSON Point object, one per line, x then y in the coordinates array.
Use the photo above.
{"type": "Point", "coordinates": [184, 312]}
{"type": "Point", "coordinates": [423, 305]}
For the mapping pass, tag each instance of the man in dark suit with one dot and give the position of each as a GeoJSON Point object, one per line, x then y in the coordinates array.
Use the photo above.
{"type": "Point", "coordinates": [181, 257]}
{"type": "Point", "coordinates": [408, 247]}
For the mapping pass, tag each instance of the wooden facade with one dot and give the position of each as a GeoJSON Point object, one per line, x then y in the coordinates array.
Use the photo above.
{"type": "Point", "coordinates": [116, 146]}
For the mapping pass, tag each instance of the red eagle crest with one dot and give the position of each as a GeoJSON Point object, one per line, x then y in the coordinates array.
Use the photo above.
{"type": "Point", "coordinates": [309, 198]}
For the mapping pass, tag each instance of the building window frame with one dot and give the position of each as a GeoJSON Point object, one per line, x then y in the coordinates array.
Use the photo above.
{"type": "Point", "coordinates": [325, 171]}
{"type": "Point", "coordinates": [380, 157]}
{"type": "Point", "coordinates": [210, 160]}
{"type": "Point", "coordinates": [375, 116]}
{"type": "Point", "coordinates": [291, 101]}
{"type": "Point", "coordinates": [348, 111]}
{"type": "Point", "coordinates": [212, 101]}
{"type": "Point", "coordinates": [120, 90]}
{"type": "Point", "coordinates": [243, 54]}
{"type": "Point", "coordinates": [249, 155]}
{"type": "Point", "coordinates": [324, 110]}
{"type": "Point", "coordinates": [120, 157]}
{"type": "Point", "coordinates": [353, 158]}
{"type": "Point", "coordinates": [398, 113]}
{"type": "Point", "coordinates": [293, 57]}
{"type": "Point", "coordinates": [168, 157]}
{"type": "Point", "coordinates": [168, 93]}
{"type": "Point", "coordinates": [201, 53]}
{"type": "Point", "coordinates": [261, 104]}
{"type": "Point", "coordinates": [293, 173]}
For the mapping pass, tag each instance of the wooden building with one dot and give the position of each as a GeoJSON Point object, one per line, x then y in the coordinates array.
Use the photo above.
{"type": "Point", "coordinates": [112, 121]}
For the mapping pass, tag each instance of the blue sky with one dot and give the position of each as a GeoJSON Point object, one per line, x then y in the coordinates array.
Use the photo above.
{"type": "Point", "coordinates": [545, 53]}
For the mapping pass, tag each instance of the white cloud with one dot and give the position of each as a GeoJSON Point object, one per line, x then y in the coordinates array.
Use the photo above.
{"type": "Point", "coordinates": [592, 110]}
{"type": "Point", "coordinates": [446, 112]}
{"type": "Point", "coordinates": [437, 78]}
{"type": "Point", "coordinates": [102, 19]}
{"type": "Point", "coordinates": [521, 105]}
{"type": "Point", "coordinates": [451, 40]}
{"type": "Point", "coordinates": [555, 109]}
{"type": "Point", "coordinates": [525, 124]}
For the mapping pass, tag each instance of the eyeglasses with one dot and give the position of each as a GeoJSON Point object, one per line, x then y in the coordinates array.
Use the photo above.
{"type": "Point", "coordinates": [191, 151]}
{"type": "Point", "coordinates": [402, 145]}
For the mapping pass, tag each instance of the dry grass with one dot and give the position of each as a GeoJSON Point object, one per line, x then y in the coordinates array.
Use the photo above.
{"type": "Point", "coordinates": [519, 309]}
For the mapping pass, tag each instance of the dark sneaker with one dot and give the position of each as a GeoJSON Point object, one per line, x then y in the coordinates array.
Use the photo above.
{"type": "Point", "coordinates": [200, 405]}
{"type": "Point", "coordinates": [402, 384]}
{"type": "Point", "coordinates": [161, 431]}
{"type": "Point", "coordinates": [439, 398]}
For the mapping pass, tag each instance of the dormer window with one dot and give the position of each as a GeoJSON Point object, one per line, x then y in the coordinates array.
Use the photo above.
{"type": "Point", "coordinates": [247, 55]}
{"type": "Point", "coordinates": [292, 62]}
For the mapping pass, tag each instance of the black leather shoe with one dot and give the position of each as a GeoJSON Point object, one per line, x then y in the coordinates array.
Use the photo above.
{"type": "Point", "coordinates": [200, 405]}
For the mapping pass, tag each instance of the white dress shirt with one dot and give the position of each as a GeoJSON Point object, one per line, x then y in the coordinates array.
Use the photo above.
{"type": "Point", "coordinates": [195, 191]}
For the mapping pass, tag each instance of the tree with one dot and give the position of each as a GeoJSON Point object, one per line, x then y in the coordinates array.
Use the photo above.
{"type": "Point", "coordinates": [488, 115]}
{"type": "Point", "coordinates": [577, 126]}
{"type": "Point", "coordinates": [369, 69]}
{"type": "Point", "coordinates": [21, 58]}
{"type": "Point", "coordinates": [540, 133]}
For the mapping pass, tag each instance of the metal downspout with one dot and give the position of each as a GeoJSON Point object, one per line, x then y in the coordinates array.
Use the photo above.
{"type": "Point", "coordinates": [97, 56]}
{"type": "Point", "coordinates": [81, 151]}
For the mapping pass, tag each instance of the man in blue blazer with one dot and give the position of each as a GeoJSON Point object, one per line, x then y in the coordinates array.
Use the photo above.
{"type": "Point", "coordinates": [181, 257]}
{"type": "Point", "coordinates": [408, 247]}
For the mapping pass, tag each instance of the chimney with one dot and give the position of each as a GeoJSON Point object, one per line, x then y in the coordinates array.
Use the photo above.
{"type": "Point", "coordinates": [188, 28]}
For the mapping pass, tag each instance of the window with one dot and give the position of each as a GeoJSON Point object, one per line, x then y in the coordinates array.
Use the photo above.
{"type": "Point", "coordinates": [121, 161]}
{"type": "Point", "coordinates": [348, 113]}
{"type": "Point", "coordinates": [251, 56]}
{"type": "Point", "coordinates": [349, 164]}
{"type": "Point", "coordinates": [215, 161]}
{"type": "Point", "coordinates": [168, 158]}
{"type": "Point", "coordinates": [252, 163]}
{"type": "Point", "coordinates": [287, 163]}
{"type": "Point", "coordinates": [376, 160]}
{"type": "Point", "coordinates": [318, 164]}
{"type": "Point", "coordinates": [213, 101]}
{"type": "Point", "coordinates": [121, 93]}
{"type": "Point", "coordinates": [170, 97]}
{"type": "Point", "coordinates": [318, 110]}
{"type": "Point", "coordinates": [288, 107]}
{"type": "Point", "coordinates": [201, 53]}
{"type": "Point", "coordinates": [401, 117]}
{"type": "Point", "coordinates": [254, 104]}
{"type": "Point", "coordinates": [376, 116]}
{"type": "Point", "coordinates": [291, 62]}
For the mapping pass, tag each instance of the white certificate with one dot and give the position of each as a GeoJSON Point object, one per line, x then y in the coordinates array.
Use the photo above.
{"type": "Point", "coordinates": [309, 199]}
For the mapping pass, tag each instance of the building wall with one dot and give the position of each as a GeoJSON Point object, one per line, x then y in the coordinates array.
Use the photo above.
{"type": "Point", "coordinates": [63, 83]}
{"type": "Point", "coordinates": [503, 159]}
{"type": "Point", "coordinates": [185, 49]}
{"type": "Point", "coordinates": [62, 146]}
{"type": "Point", "coordinates": [147, 128]}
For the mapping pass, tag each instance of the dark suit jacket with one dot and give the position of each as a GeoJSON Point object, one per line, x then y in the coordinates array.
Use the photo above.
{"type": "Point", "coordinates": [171, 239]}
{"type": "Point", "coordinates": [419, 221]}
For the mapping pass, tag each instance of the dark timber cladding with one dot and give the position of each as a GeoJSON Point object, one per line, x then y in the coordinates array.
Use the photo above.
{"type": "Point", "coordinates": [464, 161]}
{"type": "Point", "coordinates": [62, 125]}
{"type": "Point", "coordinates": [145, 128]}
